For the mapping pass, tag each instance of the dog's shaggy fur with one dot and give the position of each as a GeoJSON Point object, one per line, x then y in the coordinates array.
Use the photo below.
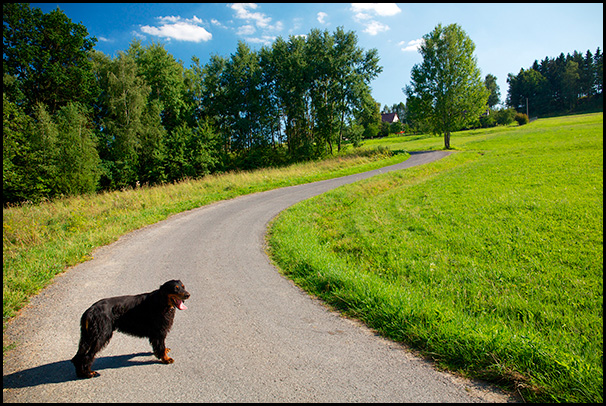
{"type": "Point", "coordinates": [148, 315]}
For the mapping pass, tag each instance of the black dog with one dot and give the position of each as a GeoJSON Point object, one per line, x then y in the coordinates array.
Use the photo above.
{"type": "Point", "coordinates": [147, 315]}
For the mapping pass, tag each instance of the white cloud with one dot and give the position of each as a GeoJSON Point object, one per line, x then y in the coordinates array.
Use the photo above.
{"type": "Point", "coordinates": [279, 26]}
{"type": "Point", "coordinates": [178, 28]}
{"type": "Point", "coordinates": [375, 27]}
{"type": "Point", "coordinates": [366, 14]}
{"type": "Point", "coordinates": [138, 35]}
{"type": "Point", "coordinates": [264, 39]}
{"type": "Point", "coordinates": [381, 9]}
{"type": "Point", "coordinates": [216, 22]}
{"type": "Point", "coordinates": [255, 21]}
{"type": "Point", "coordinates": [322, 17]}
{"type": "Point", "coordinates": [246, 30]}
{"type": "Point", "coordinates": [243, 12]}
{"type": "Point", "coordinates": [411, 46]}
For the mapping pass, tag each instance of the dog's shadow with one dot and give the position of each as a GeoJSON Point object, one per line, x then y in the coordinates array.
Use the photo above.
{"type": "Point", "coordinates": [64, 371]}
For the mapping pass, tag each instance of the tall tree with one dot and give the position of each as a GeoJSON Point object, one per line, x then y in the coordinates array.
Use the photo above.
{"type": "Point", "coordinates": [213, 101]}
{"type": "Point", "coordinates": [49, 55]}
{"type": "Point", "coordinates": [242, 84]}
{"type": "Point", "coordinates": [570, 83]}
{"type": "Point", "coordinates": [124, 102]}
{"type": "Point", "coordinates": [292, 92]}
{"type": "Point", "coordinates": [495, 94]}
{"type": "Point", "coordinates": [599, 71]}
{"type": "Point", "coordinates": [447, 87]}
{"type": "Point", "coordinates": [587, 75]}
{"type": "Point", "coordinates": [165, 76]}
{"type": "Point", "coordinates": [528, 91]}
{"type": "Point", "coordinates": [355, 69]}
{"type": "Point", "coordinates": [77, 161]}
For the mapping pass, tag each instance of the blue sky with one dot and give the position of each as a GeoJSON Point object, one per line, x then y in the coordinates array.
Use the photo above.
{"type": "Point", "coordinates": [508, 36]}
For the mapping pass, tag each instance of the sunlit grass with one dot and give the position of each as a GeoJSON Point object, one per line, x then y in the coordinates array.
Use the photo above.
{"type": "Point", "coordinates": [490, 261]}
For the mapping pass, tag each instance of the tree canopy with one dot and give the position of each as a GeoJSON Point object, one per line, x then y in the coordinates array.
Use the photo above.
{"type": "Point", "coordinates": [47, 54]}
{"type": "Point", "coordinates": [446, 89]}
{"type": "Point", "coordinates": [78, 121]}
{"type": "Point", "coordinates": [558, 85]}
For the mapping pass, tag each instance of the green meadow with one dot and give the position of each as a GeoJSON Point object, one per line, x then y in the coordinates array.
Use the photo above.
{"type": "Point", "coordinates": [489, 261]}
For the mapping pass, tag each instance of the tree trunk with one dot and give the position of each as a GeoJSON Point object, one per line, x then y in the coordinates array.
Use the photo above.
{"type": "Point", "coordinates": [447, 140]}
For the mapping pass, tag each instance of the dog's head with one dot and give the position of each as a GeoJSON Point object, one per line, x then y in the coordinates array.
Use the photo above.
{"type": "Point", "coordinates": [176, 293]}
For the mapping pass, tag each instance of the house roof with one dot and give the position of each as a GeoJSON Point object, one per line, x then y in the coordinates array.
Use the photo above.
{"type": "Point", "coordinates": [389, 117]}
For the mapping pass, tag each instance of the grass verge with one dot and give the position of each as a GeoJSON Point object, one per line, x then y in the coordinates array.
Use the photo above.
{"type": "Point", "coordinates": [489, 261]}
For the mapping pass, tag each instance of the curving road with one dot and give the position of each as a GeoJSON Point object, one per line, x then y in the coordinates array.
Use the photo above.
{"type": "Point", "coordinates": [248, 335]}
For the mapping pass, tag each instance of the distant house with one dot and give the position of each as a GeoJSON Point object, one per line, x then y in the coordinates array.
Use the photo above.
{"type": "Point", "coordinates": [389, 117]}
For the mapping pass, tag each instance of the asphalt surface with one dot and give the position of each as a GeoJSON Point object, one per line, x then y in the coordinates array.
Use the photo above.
{"type": "Point", "coordinates": [248, 335]}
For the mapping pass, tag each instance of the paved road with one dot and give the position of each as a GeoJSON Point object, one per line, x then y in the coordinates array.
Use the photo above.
{"type": "Point", "coordinates": [248, 335]}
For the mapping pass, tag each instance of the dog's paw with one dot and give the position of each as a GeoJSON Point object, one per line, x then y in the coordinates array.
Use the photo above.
{"type": "Point", "coordinates": [89, 374]}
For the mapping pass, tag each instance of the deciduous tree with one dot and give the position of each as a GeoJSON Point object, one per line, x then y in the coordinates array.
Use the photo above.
{"type": "Point", "coordinates": [447, 88]}
{"type": "Point", "coordinates": [49, 55]}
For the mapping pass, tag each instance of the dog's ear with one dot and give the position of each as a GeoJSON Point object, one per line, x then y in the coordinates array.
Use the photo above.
{"type": "Point", "coordinates": [170, 285]}
{"type": "Point", "coordinates": [167, 286]}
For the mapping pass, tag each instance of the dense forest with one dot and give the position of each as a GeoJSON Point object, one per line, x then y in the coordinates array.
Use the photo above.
{"type": "Point", "coordinates": [78, 121]}
{"type": "Point", "coordinates": [559, 85]}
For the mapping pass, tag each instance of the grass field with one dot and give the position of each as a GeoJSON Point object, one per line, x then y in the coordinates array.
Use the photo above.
{"type": "Point", "coordinates": [489, 261]}
{"type": "Point", "coordinates": [40, 241]}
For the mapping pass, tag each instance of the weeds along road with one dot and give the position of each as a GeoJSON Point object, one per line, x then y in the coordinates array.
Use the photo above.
{"type": "Point", "coordinates": [248, 335]}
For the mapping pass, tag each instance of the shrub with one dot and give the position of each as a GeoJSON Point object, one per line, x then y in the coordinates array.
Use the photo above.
{"type": "Point", "coordinates": [396, 128]}
{"type": "Point", "coordinates": [521, 118]}
{"type": "Point", "coordinates": [504, 116]}
{"type": "Point", "coordinates": [487, 121]}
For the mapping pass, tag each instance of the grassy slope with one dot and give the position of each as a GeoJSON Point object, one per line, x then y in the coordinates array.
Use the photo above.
{"type": "Point", "coordinates": [489, 261]}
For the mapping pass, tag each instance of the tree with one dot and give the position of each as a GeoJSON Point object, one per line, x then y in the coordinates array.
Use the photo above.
{"type": "Point", "coordinates": [570, 83]}
{"type": "Point", "coordinates": [599, 71]}
{"type": "Point", "coordinates": [528, 87]}
{"type": "Point", "coordinates": [558, 85]}
{"type": "Point", "coordinates": [292, 92]}
{"type": "Point", "coordinates": [164, 75]}
{"type": "Point", "coordinates": [447, 88]}
{"type": "Point", "coordinates": [353, 72]}
{"type": "Point", "coordinates": [19, 181]}
{"type": "Point", "coordinates": [77, 162]}
{"type": "Point", "coordinates": [124, 102]}
{"type": "Point", "coordinates": [49, 55]}
{"type": "Point", "coordinates": [495, 95]}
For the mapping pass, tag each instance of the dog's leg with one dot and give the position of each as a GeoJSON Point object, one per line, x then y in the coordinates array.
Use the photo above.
{"type": "Point", "coordinates": [94, 336]}
{"type": "Point", "coordinates": [160, 350]}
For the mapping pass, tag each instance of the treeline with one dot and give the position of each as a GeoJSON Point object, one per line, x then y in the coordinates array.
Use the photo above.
{"type": "Point", "coordinates": [78, 121]}
{"type": "Point", "coordinates": [559, 85]}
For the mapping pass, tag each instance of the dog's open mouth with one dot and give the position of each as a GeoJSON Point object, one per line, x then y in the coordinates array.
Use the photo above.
{"type": "Point", "coordinates": [178, 303]}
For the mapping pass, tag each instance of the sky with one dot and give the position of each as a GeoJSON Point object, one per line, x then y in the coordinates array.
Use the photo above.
{"type": "Point", "coordinates": [507, 36]}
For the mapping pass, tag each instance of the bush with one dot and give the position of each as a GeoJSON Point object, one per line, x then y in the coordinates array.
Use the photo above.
{"type": "Point", "coordinates": [487, 121]}
{"type": "Point", "coordinates": [383, 129]}
{"type": "Point", "coordinates": [521, 118]}
{"type": "Point", "coordinates": [504, 116]}
{"type": "Point", "coordinates": [396, 128]}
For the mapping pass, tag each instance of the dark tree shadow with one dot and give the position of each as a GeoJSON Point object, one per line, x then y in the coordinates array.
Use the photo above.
{"type": "Point", "coordinates": [64, 371]}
